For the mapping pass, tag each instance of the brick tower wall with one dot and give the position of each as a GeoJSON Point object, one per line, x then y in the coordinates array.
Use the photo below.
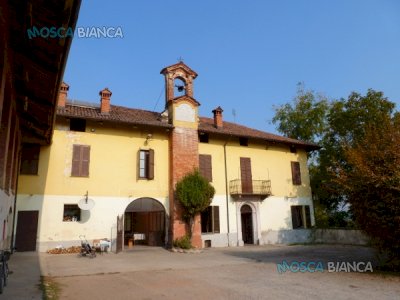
{"type": "Point", "coordinates": [184, 157]}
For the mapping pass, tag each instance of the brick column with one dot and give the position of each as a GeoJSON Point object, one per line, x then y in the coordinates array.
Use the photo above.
{"type": "Point", "coordinates": [184, 157]}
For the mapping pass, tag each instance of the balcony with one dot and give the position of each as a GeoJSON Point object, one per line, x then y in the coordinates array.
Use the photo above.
{"type": "Point", "coordinates": [254, 189]}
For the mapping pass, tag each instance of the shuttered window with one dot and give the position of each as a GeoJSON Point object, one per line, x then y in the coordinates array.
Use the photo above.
{"type": "Point", "coordinates": [205, 166]}
{"type": "Point", "coordinates": [246, 175]}
{"type": "Point", "coordinates": [80, 161]}
{"type": "Point", "coordinates": [301, 216]}
{"type": "Point", "coordinates": [296, 175]}
{"type": "Point", "coordinates": [210, 220]}
{"type": "Point", "coordinates": [146, 164]}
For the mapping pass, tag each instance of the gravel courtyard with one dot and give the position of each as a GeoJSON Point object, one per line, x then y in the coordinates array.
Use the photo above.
{"type": "Point", "coordinates": [225, 273]}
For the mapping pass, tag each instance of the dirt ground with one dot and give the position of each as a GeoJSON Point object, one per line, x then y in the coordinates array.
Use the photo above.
{"type": "Point", "coordinates": [227, 273]}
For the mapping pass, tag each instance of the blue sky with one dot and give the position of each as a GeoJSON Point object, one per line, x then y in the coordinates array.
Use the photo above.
{"type": "Point", "coordinates": [249, 54]}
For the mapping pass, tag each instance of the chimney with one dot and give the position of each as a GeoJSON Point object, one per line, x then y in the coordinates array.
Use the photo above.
{"type": "Point", "coordinates": [218, 117]}
{"type": "Point", "coordinates": [62, 95]}
{"type": "Point", "coordinates": [105, 96]}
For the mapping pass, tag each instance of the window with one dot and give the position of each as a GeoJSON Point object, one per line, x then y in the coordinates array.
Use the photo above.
{"type": "Point", "coordinates": [146, 164]}
{"type": "Point", "coordinates": [210, 220]}
{"type": "Point", "coordinates": [296, 175]}
{"type": "Point", "coordinates": [203, 137]}
{"type": "Point", "coordinates": [80, 161]}
{"type": "Point", "coordinates": [301, 217]}
{"type": "Point", "coordinates": [72, 213]}
{"type": "Point", "coordinates": [77, 125]}
{"type": "Point", "coordinates": [30, 159]}
{"type": "Point", "coordinates": [243, 141]}
{"type": "Point", "coordinates": [205, 166]}
{"type": "Point", "coordinates": [293, 149]}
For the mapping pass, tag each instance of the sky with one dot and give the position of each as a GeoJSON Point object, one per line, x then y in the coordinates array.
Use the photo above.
{"type": "Point", "coordinates": [249, 55]}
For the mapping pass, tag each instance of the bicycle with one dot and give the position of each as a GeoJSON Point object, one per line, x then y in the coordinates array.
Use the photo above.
{"type": "Point", "coordinates": [4, 271]}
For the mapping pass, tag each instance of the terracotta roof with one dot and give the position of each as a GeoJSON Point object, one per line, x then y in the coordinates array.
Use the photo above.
{"type": "Point", "coordinates": [231, 129]}
{"type": "Point", "coordinates": [119, 114]}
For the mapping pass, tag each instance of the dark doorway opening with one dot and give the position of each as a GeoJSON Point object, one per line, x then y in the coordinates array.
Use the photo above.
{"type": "Point", "coordinates": [144, 223]}
{"type": "Point", "coordinates": [247, 224]}
{"type": "Point", "coordinates": [26, 234]}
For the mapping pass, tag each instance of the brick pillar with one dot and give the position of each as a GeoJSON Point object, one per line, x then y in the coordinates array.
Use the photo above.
{"type": "Point", "coordinates": [184, 158]}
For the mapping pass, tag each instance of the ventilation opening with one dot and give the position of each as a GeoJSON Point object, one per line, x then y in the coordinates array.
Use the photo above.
{"type": "Point", "coordinates": [207, 244]}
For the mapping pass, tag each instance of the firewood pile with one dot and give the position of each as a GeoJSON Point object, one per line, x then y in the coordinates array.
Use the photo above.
{"type": "Point", "coordinates": [62, 250]}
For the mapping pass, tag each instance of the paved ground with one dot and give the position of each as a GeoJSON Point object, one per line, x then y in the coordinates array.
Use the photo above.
{"type": "Point", "coordinates": [227, 273]}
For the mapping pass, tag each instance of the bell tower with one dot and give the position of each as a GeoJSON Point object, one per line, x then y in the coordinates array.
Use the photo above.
{"type": "Point", "coordinates": [182, 111]}
{"type": "Point", "coordinates": [178, 81]}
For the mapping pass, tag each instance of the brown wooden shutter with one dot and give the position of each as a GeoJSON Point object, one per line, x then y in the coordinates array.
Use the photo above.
{"type": "Point", "coordinates": [296, 175]}
{"type": "Point", "coordinates": [215, 215]}
{"type": "Point", "coordinates": [76, 160]}
{"type": "Point", "coordinates": [246, 176]}
{"type": "Point", "coordinates": [80, 161]}
{"type": "Point", "coordinates": [205, 166]}
{"type": "Point", "coordinates": [296, 216]}
{"type": "Point", "coordinates": [85, 160]}
{"type": "Point", "coordinates": [150, 172]}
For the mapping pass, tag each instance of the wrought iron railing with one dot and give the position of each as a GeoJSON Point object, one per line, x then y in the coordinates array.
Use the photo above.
{"type": "Point", "coordinates": [239, 188]}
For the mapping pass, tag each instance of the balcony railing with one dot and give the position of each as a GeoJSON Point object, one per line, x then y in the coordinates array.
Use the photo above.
{"type": "Point", "coordinates": [259, 189]}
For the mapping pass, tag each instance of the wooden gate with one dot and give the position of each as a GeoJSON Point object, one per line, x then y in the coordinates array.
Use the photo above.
{"type": "Point", "coordinates": [26, 234]}
{"type": "Point", "coordinates": [120, 231]}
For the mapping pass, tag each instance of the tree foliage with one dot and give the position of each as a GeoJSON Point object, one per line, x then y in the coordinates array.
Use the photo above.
{"type": "Point", "coordinates": [358, 163]}
{"type": "Point", "coordinates": [195, 194]}
{"type": "Point", "coordinates": [304, 118]}
{"type": "Point", "coordinates": [371, 182]}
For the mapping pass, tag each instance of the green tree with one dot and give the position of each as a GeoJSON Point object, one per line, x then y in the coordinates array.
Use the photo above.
{"type": "Point", "coordinates": [331, 124]}
{"type": "Point", "coordinates": [304, 118]}
{"type": "Point", "coordinates": [371, 181]}
{"type": "Point", "coordinates": [195, 194]}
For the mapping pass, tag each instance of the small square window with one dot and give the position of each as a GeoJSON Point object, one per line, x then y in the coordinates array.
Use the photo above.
{"type": "Point", "coordinates": [77, 125]}
{"type": "Point", "coordinates": [203, 137]}
{"type": "Point", "coordinates": [72, 213]}
{"type": "Point", "coordinates": [243, 141]}
{"type": "Point", "coordinates": [293, 149]}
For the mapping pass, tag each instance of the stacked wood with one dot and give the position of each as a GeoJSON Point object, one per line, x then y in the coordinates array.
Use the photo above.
{"type": "Point", "coordinates": [61, 250]}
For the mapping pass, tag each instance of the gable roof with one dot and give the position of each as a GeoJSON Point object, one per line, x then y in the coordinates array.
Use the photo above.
{"type": "Point", "coordinates": [124, 115]}
{"type": "Point", "coordinates": [235, 130]}
{"type": "Point", "coordinates": [117, 114]}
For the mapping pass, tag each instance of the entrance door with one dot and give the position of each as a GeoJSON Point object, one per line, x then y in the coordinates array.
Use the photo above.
{"type": "Point", "coordinates": [247, 224]}
{"type": "Point", "coordinates": [27, 225]}
{"type": "Point", "coordinates": [245, 172]}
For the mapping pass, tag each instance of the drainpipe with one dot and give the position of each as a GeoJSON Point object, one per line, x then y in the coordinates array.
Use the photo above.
{"type": "Point", "coordinates": [12, 246]}
{"type": "Point", "coordinates": [226, 190]}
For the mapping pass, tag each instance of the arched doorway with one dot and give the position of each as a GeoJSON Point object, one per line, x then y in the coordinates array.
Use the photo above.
{"type": "Point", "coordinates": [246, 214]}
{"type": "Point", "coordinates": [144, 223]}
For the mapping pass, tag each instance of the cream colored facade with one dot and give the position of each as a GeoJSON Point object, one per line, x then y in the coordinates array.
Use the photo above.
{"type": "Point", "coordinates": [114, 183]}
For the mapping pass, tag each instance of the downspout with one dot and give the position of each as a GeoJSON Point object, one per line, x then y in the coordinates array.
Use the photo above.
{"type": "Point", "coordinates": [15, 203]}
{"type": "Point", "coordinates": [226, 191]}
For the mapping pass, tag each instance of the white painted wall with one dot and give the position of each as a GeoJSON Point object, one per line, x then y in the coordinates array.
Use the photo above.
{"type": "Point", "coordinates": [99, 222]}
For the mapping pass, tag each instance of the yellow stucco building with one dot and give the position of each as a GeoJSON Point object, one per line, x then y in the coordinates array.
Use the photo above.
{"type": "Point", "coordinates": [110, 172]}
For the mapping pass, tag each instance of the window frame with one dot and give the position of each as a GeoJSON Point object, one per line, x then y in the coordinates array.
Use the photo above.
{"type": "Point", "coordinates": [71, 208]}
{"type": "Point", "coordinates": [301, 218]}
{"type": "Point", "coordinates": [77, 124]}
{"type": "Point", "coordinates": [296, 172]}
{"type": "Point", "coordinates": [146, 169]}
{"type": "Point", "coordinates": [210, 220]}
